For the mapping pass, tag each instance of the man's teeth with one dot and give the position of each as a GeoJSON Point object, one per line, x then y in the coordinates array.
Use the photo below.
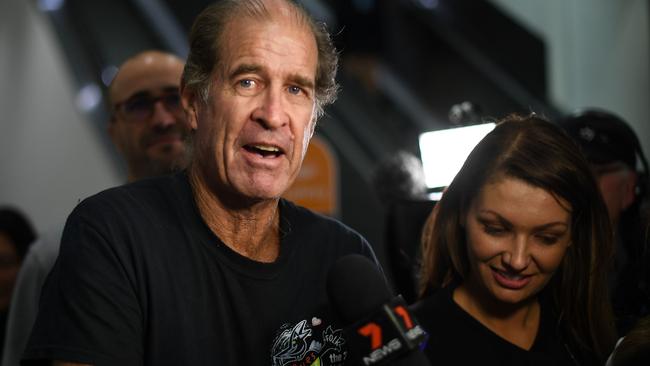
{"type": "Point", "coordinates": [267, 148]}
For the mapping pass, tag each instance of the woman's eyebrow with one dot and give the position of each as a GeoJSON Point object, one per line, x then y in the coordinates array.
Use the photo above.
{"type": "Point", "coordinates": [505, 222]}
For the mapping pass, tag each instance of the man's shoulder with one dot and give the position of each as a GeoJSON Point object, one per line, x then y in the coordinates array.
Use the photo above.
{"type": "Point", "coordinates": [142, 193]}
{"type": "Point", "coordinates": [311, 220]}
{"type": "Point", "coordinates": [320, 236]}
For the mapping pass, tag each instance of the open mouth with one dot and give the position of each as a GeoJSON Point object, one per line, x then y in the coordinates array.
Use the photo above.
{"type": "Point", "coordinates": [511, 276]}
{"type": "Point", "coordinates": [509, 279]}
{"type": "Point", "coordinates": [265, 151]}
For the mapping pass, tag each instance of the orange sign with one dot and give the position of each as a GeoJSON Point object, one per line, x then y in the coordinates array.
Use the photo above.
{"type": "Point", "coordinates": [316, 184]}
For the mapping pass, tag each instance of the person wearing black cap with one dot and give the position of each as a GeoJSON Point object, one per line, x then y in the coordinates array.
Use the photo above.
{"type": "Point", "coordinates": [614, 151]}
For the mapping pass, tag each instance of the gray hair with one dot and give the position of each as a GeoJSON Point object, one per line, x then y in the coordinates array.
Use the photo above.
{"type": "Point", "coordinates": [205, 39]}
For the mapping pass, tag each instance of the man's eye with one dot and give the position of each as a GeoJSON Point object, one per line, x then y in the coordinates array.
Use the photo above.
{"type": "Point", "coordinates": [137, 105]}
{"type": "Point", "coordinates": [247, 83]}
{"type": "Point", "coordinates": [295, 90]}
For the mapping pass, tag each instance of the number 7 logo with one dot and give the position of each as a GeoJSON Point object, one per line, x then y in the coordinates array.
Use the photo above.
{"type": "Point", "coordinates": [373, 331]}
{"type": "Point", "coordinates": [401, 311]}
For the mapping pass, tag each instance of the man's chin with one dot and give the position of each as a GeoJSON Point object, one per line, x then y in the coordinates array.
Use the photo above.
{"type": "Point", "coordinates": [166, 161]}
{"type": "Point", "coordinates": [263, 192]}
{"type": "Point", "coordinates": [166, 146]}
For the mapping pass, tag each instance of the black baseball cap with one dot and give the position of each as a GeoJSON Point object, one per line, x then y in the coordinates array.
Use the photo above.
{"type": "Point", "coordinates": [604, 137]}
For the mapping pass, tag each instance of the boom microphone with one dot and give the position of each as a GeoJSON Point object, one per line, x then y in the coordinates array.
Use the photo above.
{"type": "Point", "coordinates": [379, 329]}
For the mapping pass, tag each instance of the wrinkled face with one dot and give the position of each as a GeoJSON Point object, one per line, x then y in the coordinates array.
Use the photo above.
{"type": "Point", "coordinates": [9, 266]}
{"type": "Point", "coordinates": [149, 125]}
{"type": "Point", "coordinates": [253, 133]}
{"type": "Point", "coordinates": [517, 235]}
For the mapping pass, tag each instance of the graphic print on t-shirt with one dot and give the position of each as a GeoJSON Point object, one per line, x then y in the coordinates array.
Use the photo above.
{"type": "Point", "coordinates": [308, 343]}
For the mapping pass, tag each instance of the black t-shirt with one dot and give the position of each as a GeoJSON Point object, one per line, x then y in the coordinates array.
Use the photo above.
{"type": "Point", "coordinates": [457, 338]}
{"type": "Point", "coordinates": [141, 280]}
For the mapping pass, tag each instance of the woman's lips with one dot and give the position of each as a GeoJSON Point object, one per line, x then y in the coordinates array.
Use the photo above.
{"type": "Point", "coordinates": [510, 280]}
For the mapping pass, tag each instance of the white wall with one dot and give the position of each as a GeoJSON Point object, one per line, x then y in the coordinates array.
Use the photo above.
{"type": "Point", "coordinates": [598, 54]}
{"type": "Point", "coordinates": [50, 154]}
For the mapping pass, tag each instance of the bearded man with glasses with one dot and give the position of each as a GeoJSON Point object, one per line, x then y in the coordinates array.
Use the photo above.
{"type": "Point", "coordinates": [147, 121]}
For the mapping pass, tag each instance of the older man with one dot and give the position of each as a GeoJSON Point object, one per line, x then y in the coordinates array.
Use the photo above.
{"type": "Point", "coordinates": [148, 128]}
{"type": "Point", "coordinates": [211, 266]}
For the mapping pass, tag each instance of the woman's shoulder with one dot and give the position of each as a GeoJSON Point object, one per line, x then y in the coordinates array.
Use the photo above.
{"type": "Point", "coordinates": [434, 307]}
{"type": "Point", "coordinates": [455, 338]}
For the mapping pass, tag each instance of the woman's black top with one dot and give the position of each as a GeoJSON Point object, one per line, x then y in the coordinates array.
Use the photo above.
{"type": "Point", "coordinates": [457, 338]}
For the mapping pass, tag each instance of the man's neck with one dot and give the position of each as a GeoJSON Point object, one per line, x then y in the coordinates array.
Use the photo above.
{"type": "Point", "coordinates": [250, 230]}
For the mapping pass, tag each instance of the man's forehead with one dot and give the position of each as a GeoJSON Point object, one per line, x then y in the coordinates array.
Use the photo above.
{"type": "Point", "coordinates": [146, 73]}
{"type": "Point", "coordinates": [143, 84]}
{"type": "Point", "coordinates": [231, 38]}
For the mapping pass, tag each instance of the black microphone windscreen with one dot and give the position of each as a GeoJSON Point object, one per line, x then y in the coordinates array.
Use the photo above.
{"type": "Point", "coordinates": [356, 288]}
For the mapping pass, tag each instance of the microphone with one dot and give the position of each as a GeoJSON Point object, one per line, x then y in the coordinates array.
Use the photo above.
{"type": "Point", "coordinates": [379, 329]}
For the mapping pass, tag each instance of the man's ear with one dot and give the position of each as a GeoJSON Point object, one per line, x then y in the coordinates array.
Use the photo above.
{"type": "Point", "coordinates": [190, 102]}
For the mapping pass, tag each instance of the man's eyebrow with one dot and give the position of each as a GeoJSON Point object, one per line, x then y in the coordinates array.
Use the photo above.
{"type": "Point", "coordinates": [298, 79]}
{"type": "Point", "coordinates": [139, 94]}
{"type": "Point", "coordinates": [244, 69]}
{"type": "Point", "coordinates": [150, 92]}
{"type": "Point", "coordinates": [302, 81]}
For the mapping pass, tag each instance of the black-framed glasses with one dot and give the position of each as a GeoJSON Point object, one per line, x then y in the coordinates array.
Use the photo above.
{"type": "Point", "coordinates": [140, 107]}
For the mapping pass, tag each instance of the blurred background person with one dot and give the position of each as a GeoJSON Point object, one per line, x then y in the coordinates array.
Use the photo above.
{"type": "Point", "coordinates": [149, 129]}
{"type": "Point", "coordinates": [16, 235]}
{"type": "Point", "coordinates": [400, 185]}
{"type": "Point", "coordinates": [514, 256]}
{"type": "Point", "coordinates": [621, 170]}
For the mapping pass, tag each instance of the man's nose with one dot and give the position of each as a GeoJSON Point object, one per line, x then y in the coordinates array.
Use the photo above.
{"type": "Point", "coordinates": [162, 116]}
{"type": "Point", "coordinates": [271, 112]}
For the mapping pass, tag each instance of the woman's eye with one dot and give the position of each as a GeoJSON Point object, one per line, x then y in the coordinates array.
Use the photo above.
{"type": "Point", "coordinates": [547, 239]}
{"type": "Point", "coordinates": [494, 230]}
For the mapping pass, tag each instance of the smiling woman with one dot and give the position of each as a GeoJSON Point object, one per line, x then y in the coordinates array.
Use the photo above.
{"type": "Point", "coordinates": [514, 255]}
{"type": "Point", "coordinates": [517, 235]}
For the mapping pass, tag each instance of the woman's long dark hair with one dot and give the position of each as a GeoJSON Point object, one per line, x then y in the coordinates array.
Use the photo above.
{"type": "Point", "coordinates": [540, 153]}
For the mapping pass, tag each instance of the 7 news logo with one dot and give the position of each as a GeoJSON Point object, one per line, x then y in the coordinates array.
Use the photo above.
{"type": "Point", "coordinates": [390, 334]}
